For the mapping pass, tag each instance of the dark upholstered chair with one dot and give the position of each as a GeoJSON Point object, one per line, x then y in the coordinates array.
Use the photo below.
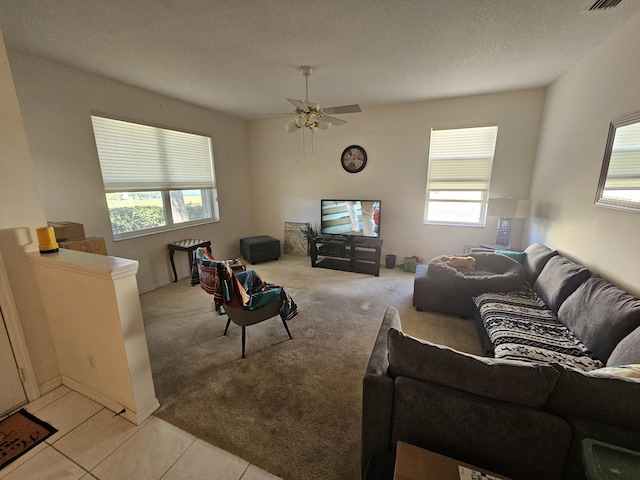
{"type": "Point", "coordinates": [244, 297]}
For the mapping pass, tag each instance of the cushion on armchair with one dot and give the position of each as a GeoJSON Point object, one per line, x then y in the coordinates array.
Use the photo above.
{"type": "Point", "coordinates": [522, 383]}
{"type": "Point", "coordinates": [601, 315]}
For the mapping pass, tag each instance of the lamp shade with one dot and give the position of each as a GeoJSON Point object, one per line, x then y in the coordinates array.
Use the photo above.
{"type": "Point", "coordinates": [509, 207]}
{"type": "Point", "coordinates": [522, 208]}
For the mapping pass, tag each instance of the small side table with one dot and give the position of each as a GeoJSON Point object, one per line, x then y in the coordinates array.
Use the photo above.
{"type": "Point", "coordinates": [189, 245]}
{"type": "Point", "coordinates": [237, 265]}
{"type": "Point", "coordinates": [495, 246]}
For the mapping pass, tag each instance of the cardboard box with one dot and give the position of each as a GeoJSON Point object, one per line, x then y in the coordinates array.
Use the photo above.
{"type": "Point", "coordinates": [89, 245]}
{"type": "Point", "coordinates": [67, 230]}
{"type": "Point", "coordinates": [414, 463]}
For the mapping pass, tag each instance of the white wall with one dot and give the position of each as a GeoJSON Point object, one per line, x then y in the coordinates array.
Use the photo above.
{"type": "Point", "coordinates": [56, 103]}
{"type": "Point", "coordinates": [580, 105]}
{"type": "Point", "coordinates": [21, 213]}
{"type": "Point", "coordinates": [288, 186]}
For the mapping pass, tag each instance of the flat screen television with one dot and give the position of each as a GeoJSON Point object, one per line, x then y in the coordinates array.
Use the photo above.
{"type": "Point", "coordinates": [360, 218]}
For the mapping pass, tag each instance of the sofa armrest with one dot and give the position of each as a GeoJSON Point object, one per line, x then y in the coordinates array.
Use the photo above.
{"type": "Point", "coordinates": [377, 393]}
{"type": "Point", "coordinates": [377, 407]}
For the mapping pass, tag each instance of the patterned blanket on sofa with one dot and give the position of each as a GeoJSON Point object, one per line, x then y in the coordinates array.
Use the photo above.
{"type": "Point", "coordinates": [521, 327]}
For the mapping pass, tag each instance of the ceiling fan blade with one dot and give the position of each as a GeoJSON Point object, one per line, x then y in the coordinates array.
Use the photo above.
{"type": "Point", "coordinates": [334, 121]}
{"type": "Point", "coordinates": [298, 104]}
{"type": "Point", "coordinates": [342, 109]}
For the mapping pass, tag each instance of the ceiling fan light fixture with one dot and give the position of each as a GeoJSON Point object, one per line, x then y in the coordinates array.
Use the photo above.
{"type": "Point", "coordinates": [311, 116]}
{"type": "Point", "coordinates": [292, 126]}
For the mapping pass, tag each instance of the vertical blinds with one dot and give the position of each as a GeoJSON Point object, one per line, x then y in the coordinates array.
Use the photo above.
{"type": "Point", "coordinates": [136, 157]}
{"type": "Point", "coordinates": [624, 165]}
{"type": "Point", "coordinates": [461, 158]}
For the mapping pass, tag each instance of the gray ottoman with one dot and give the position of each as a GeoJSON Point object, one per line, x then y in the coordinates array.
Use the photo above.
{"type": "Point", "coordinates": [260, 248]}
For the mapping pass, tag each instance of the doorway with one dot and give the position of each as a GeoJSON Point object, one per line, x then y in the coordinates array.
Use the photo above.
{"type": "Point", "coordinates": [12, 394]}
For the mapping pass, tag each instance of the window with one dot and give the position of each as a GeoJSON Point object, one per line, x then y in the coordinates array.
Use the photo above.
{"type": "Point", "coordinates": [619, 185]}
{"type": "Point", "coordinates": [155, 179]}
{"type": "Point", "coordinates": [459, 171]}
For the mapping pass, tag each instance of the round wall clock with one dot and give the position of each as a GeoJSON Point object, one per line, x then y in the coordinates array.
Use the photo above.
{"type": "Point", "coordinates": [353, 159]}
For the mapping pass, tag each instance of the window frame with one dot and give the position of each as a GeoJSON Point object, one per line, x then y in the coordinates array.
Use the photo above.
{"type": "Point", "coordinates": [483, 201]}
{"type": "Point", "coordinates": [209, 196]}
{"type": "Point", "coordinates": [602, 199]}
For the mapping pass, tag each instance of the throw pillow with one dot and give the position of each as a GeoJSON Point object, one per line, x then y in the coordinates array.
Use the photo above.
{"type": "Point", "coordinates": [517, 256]}
{"type": "Point", "coordinates": [537, 257]}
{"type": "Point", "coordinates": [521, 383]}
{"type": "Point", "coordinates": [627, 351]}
{"type": "Point", "coordinates": [559, 278]}
{"type": "Point", "coordinates": [625, 371]}
{"type": "Point", "coordinates": [601, 315]}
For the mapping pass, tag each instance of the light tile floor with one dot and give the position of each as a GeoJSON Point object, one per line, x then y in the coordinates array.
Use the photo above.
{"type": "Point", "coordinates": [93, 443]}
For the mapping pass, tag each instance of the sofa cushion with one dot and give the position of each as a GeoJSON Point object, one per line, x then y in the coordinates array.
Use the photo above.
{"type": "Point", "coordinates": [601, 315]}
{"type": "Point", "coordinates": [627, 351]}
{"type": "Point", "coordinates": [607, 399]}
{"type": "Point", "coordinates": [519, 442]}
{"type": "Point", "coordinates": [522, 383]}
{"type": "Point", "coordinates": [537, 257]}
{"type": "Point", "coordinates": [559, 278]}
{"type": "Point", "coordinates": [521, 327]}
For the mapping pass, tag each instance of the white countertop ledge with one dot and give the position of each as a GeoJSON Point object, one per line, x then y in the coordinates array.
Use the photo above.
{"type": "Point", "coordinates": [87, 263]}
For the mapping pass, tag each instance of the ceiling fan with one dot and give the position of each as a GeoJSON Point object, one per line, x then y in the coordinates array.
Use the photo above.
{"type": "Point", "coordinates": [310, 115]}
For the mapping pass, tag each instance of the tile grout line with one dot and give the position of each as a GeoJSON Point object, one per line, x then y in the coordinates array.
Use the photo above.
{"type": "Point", "coordinates": [195, 439]}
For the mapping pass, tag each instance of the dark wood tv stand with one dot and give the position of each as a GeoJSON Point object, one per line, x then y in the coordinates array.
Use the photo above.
{"type": "Point", "coordinates": [347, 253]}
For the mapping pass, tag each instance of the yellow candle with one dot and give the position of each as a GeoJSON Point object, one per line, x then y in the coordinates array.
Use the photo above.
{"type": "Point", "coordinates": [47, 240]}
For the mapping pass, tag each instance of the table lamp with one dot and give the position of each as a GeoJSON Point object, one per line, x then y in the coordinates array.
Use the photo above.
{"type": "Point", "coordinates": [507, 209]}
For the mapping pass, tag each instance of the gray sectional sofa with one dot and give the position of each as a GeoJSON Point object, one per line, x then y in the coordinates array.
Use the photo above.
{"type": "Point", "coordinates": [559, 342]}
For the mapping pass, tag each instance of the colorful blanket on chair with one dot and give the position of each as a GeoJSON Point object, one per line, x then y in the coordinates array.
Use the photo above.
{"type": "Point", "coordinates": [243, 290]}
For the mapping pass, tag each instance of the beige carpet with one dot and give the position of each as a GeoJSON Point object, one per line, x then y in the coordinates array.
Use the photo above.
{"type": "Point", "coordinates": [292, 407]}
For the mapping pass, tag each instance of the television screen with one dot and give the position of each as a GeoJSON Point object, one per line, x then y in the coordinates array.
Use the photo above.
{"type": "Point", "coordinates": [350, 217]}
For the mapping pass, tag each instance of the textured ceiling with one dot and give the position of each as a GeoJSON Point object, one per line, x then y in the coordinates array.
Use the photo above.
{"type": "Point", "coordinates": [241, 57]}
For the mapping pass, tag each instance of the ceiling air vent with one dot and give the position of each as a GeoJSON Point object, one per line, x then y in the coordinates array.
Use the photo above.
{"type": "Point", "coordinates": [603, 4]}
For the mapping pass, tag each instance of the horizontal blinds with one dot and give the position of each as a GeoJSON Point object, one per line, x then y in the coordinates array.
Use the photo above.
{"type": "Point", "coordinates": [461, 158]}
{"type": "Point", "coordinates": [135, 157]}
{"type": "Point", "coordinates": [624, 165]}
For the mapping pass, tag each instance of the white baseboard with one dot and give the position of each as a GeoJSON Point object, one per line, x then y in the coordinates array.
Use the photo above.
{"type": "Point", "coordinates": [50, 385]}
{"type": "Point", "coordinates": [134, 417]}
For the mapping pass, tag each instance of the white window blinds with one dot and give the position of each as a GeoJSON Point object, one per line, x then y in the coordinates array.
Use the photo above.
{"type": "Point", "coordinates": [624, 165]}
{"type": "Point", "coordinates": [461, 158]}
{"type": "Point", "coordinates": [136, 157]}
